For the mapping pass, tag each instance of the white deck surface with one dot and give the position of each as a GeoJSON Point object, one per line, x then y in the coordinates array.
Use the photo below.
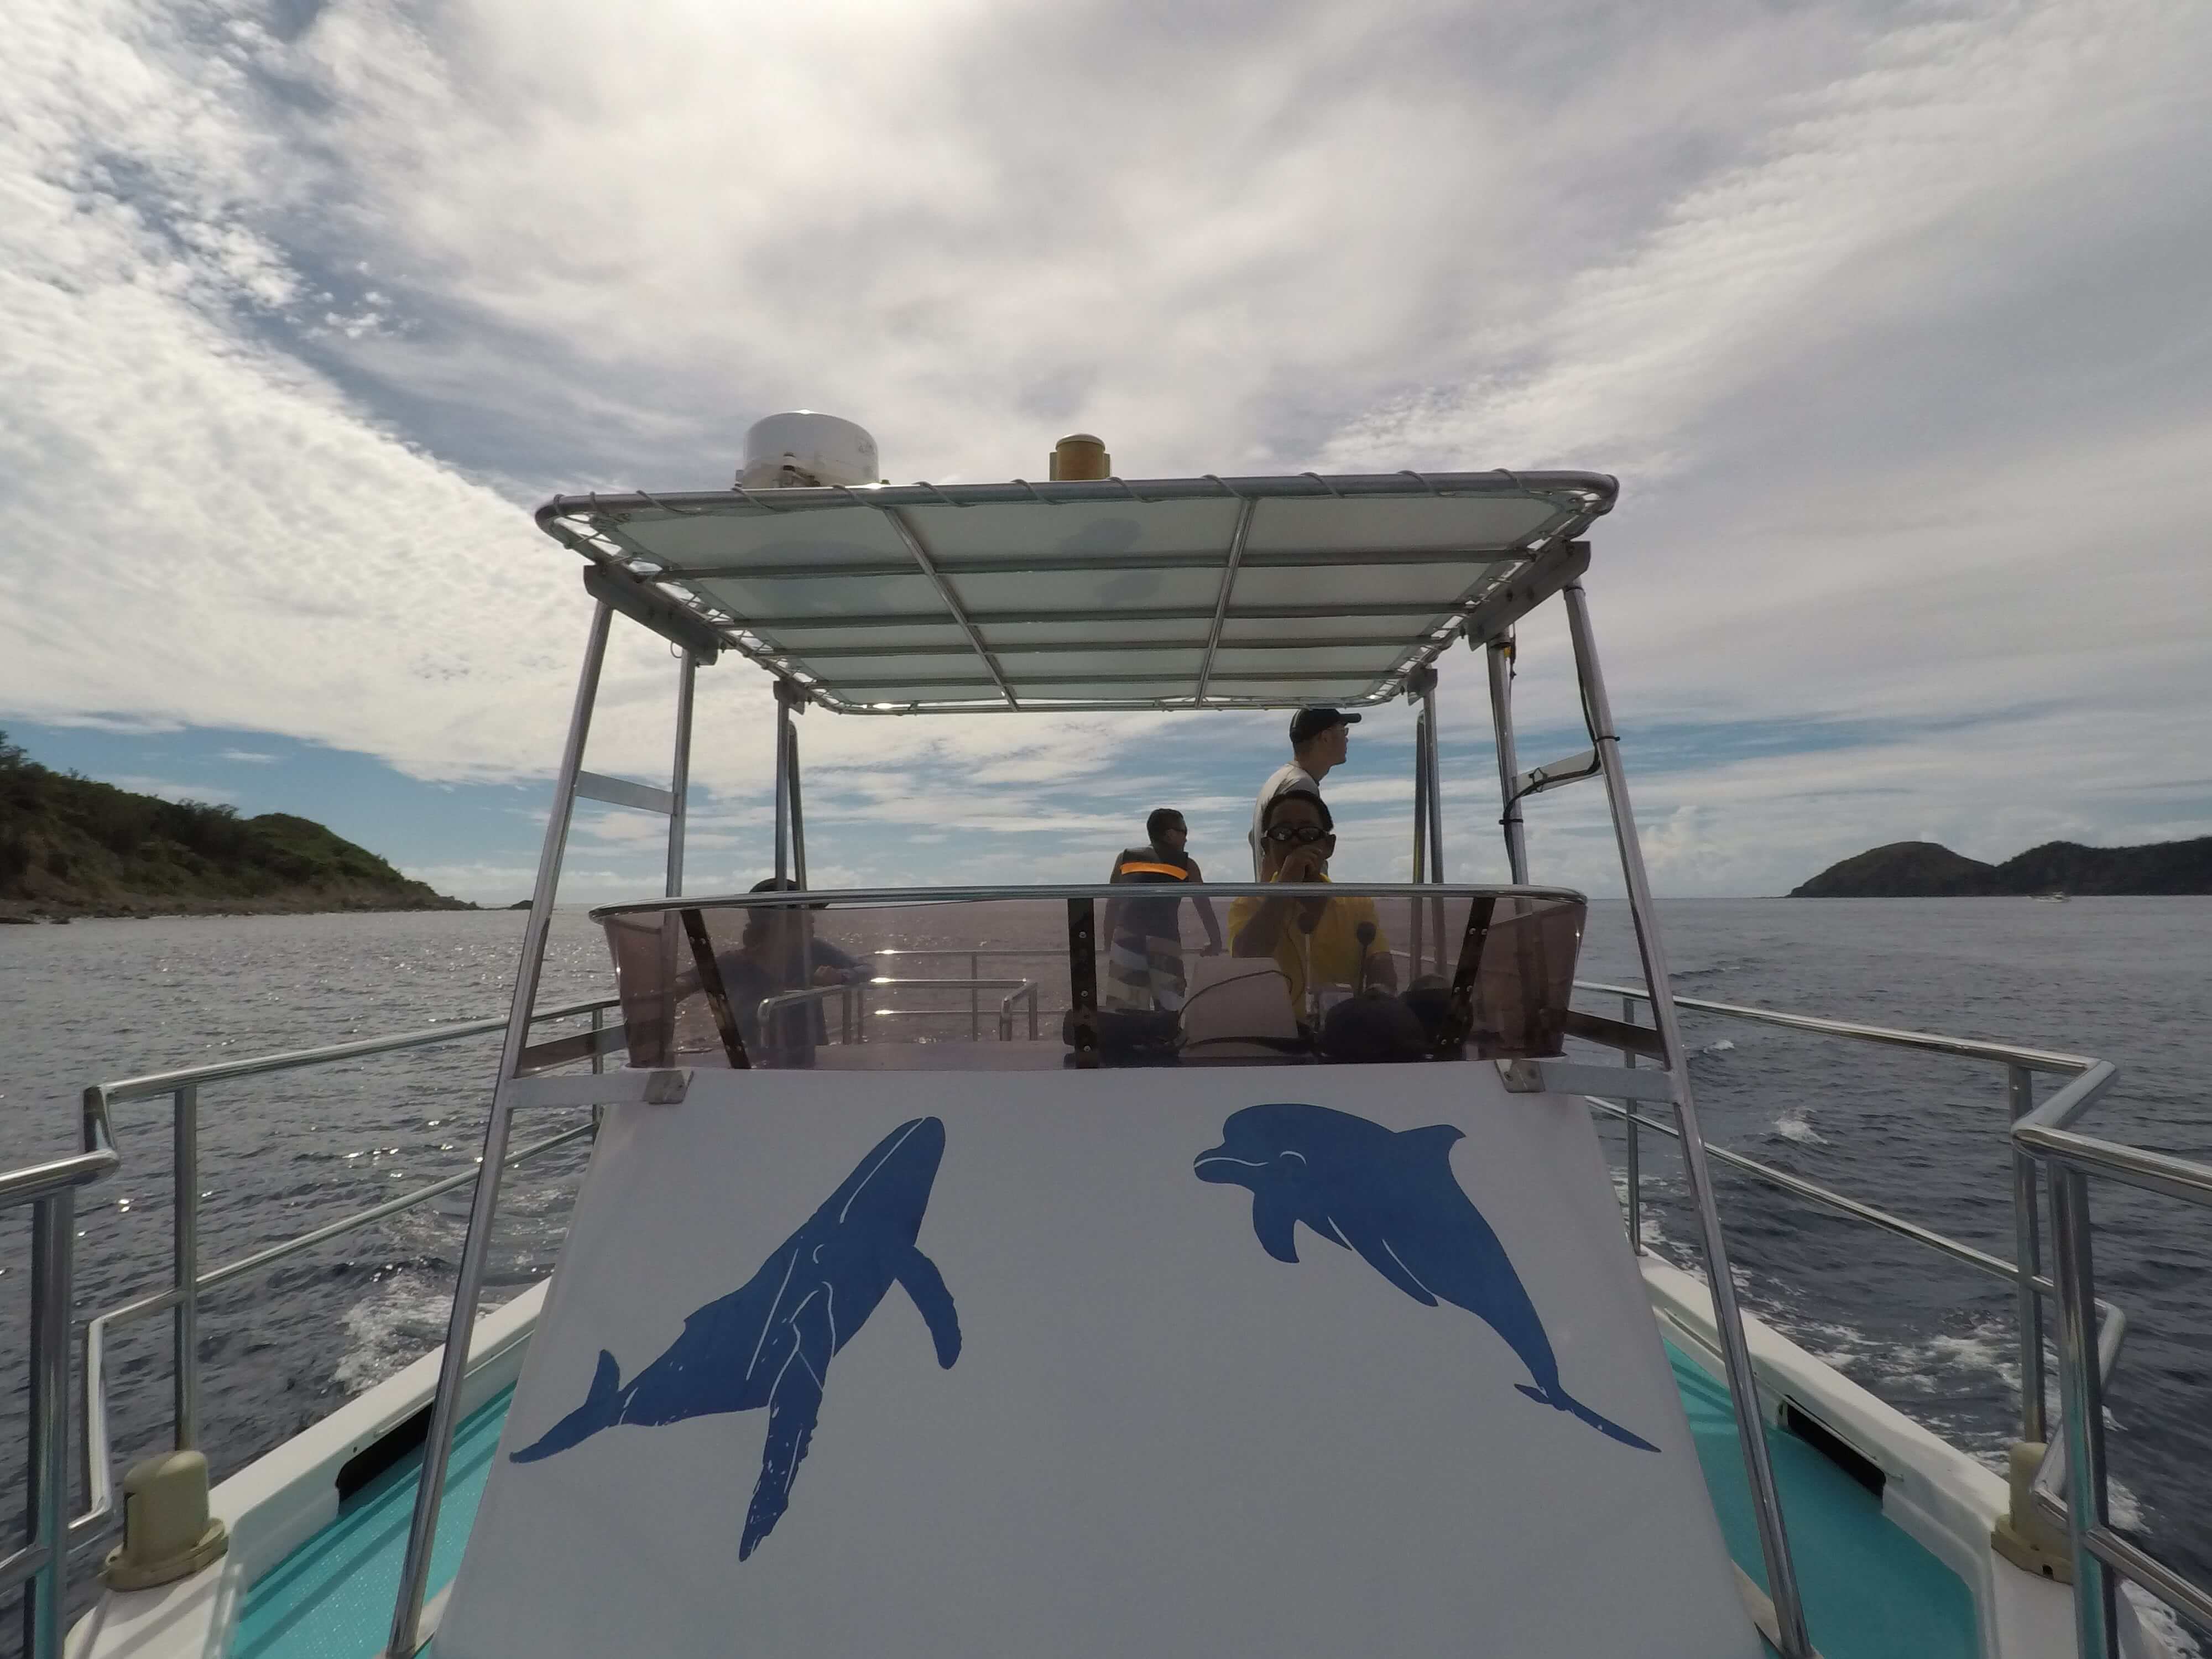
{"type": "Point", "coordinates": [1156, 1439]}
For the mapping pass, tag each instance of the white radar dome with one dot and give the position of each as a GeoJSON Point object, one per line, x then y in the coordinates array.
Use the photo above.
{"type": "Point", "coordinates": [802, 448]}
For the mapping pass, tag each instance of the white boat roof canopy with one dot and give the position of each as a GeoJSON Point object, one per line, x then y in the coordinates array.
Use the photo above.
{"type": "Point", "coordinates": [1106, 594]}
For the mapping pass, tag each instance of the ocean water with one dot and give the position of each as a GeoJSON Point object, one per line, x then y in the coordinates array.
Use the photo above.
{"type": "Point", "coordinates": [2127, 980]}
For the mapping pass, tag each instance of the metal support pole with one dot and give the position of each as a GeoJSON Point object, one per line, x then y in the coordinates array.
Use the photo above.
{"type": "Point", "coordinates": [53, 1222]}
{"type": "Point", "coordinates": [185, 1129]}
{"type": "Point", "coordinates": [1635, 1148]}
{"type": "Point", "coordinates": [1436, 802]}
{"type": "Point", "coordinates": [2096, 1610]}
{"type": "Point", "coordinates": [1500, 654]}
{"type": "Point", "coordinates": [1728, 1317]}
{"type": "Point", "coordinates": [2028, 1251]}
{"type": "Point", "coordinates": [975, 1000]}
{"type": "Point", "coordinates": [813, 1011]}
{"type": "Point", "coordinates": [782, 783]}
{"type": "Point", "coordinates": [452, 1368]}
{"type": "Point", "coordinates": [1420, 829]}
{"type": "Point", "coordinates": [798, 816]}
{"type": "Point", "coordinates": [679, 789]}
{"type": "Point", "coordinates": [679, 773]}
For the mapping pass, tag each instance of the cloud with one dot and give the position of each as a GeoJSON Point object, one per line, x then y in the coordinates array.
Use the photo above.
{"type": "Point", "coordinates": [248, 756]}
{"type": "Point", "coordinates": [1890, 318]}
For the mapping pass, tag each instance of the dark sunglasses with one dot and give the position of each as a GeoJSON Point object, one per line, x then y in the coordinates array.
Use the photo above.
{"type": "Point", "coordinates": [1297, 835]}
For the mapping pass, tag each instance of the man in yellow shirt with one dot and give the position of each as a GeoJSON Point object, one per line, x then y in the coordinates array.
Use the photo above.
{"type": "Point", "coordinates": [1316, 942]}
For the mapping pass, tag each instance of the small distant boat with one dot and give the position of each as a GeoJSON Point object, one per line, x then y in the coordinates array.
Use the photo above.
{"type": "Point", "coordinates": [2051, 898]}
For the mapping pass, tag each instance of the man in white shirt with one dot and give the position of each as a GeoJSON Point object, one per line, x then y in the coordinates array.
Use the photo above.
{"type": "Point", "coordinates": [1319, 738]}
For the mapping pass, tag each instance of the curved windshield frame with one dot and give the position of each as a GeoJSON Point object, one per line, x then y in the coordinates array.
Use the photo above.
{"type": "Point", "coordinates": [1086, 977]}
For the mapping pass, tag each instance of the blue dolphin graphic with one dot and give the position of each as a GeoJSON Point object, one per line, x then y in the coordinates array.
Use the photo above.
{"type": "Point", "coordinates": [770, 1343]}
{"type": "Point", "coordinates": [1390, 1197]}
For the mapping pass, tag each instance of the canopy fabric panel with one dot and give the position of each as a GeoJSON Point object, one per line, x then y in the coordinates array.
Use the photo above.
{"type": "Point", "coordinates": [1172, 593]}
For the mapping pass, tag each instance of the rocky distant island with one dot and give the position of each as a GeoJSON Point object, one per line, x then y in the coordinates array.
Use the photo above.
{"type": "Point", "coordinates": [71, 847]}
{"type": "Point", "coordinates": [1924, 869]}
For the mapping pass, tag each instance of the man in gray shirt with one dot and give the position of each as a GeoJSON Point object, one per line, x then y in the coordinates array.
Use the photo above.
{"type": "Point", "coordinates": [1319, 738]}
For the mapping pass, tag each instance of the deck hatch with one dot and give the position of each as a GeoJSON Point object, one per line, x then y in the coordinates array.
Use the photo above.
{"type": "Point", "coordinates": [1832, 1446]}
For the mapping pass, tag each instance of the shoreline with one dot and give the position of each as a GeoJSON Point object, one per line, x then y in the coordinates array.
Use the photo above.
{"type": "Point", "coordinates": [46, 913]}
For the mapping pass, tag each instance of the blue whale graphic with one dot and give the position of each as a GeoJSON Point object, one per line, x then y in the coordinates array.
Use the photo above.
{"type": "Point", "coordinates": [1390, 1197]}
{"type": "Point", "coordinates": [770, 1343]}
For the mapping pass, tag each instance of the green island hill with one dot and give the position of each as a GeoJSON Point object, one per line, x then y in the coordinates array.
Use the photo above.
{"type": "Point", "coordinates": [71, 847]}
{"type": "Point", "coordinates": [1924, 869]}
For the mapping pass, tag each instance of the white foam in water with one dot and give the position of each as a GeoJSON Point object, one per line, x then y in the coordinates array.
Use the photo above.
{"type": "Point", "coordinates": [1794, 1125]}
{"type": "Point", "coordinates": [1723, 1047]}
{"type": "Point", "coordinates": [2168, 1637]}
{"type": "Point", "coordinates": [397, 1323]}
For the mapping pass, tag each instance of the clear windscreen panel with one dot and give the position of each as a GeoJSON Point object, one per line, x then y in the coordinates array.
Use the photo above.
{"type": "Point", "coordinates": [1307, 976]}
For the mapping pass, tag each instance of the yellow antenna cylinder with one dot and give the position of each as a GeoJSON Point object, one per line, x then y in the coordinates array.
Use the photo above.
{"type": "Point", "coordinates": [1079, 455]}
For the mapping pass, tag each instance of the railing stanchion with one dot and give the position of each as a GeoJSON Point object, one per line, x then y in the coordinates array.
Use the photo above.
{"type": "Point", "coordinates": [1635, 1151]}
{"type": "Point", "coordinates": [53, 1222]}
{"type": "Point", "coordinates": [2027, 1255]}
{"type": "Point", "coordinates": [1697, 1171]}
{"type": "Point", "coordinates": [185, 1124]}
{"type": "Point", "coordinates": [2080, 1385]}
{"type": "Point", "coordinates": [975, 1000]}
{"type": "Point", "coordinates": [460, 1324]}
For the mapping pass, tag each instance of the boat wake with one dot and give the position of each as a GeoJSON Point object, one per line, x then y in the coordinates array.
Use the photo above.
{"type": "Point", "coordinates": [400, 1321]}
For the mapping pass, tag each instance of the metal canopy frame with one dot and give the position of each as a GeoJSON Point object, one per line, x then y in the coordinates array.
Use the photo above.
{"type": "Point", "coordinates": [657, 597]}
{"type": "Point", "coordinates": [770, 608]}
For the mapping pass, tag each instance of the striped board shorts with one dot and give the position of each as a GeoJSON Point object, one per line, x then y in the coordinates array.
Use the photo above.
{"type": "Point", "coordinates": [1143, 974]}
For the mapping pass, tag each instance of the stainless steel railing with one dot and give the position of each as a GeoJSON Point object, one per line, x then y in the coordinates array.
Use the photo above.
{"type": "Point", "coordinates": [2090, 1331]}
{"type": "Point", "coordinates": [976, 959]}
{"type": "Point", "coordinates": [2047, 1134]}
{"type": "Point", "coordinates": [39, 1567]}
{"type": "Point", "coordinates": [2020, 1064]}
{"type": "Point", "coordinates": [854, 1013]}
{"type": "Point", "coordinates": [50, 1188]}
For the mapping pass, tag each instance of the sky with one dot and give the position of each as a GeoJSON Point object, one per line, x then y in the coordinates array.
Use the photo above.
{"type": "Point", "coordinates": [1894, 321]}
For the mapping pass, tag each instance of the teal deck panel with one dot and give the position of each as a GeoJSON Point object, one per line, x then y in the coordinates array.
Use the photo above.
{"type": "Point", "coordinates": [331, 1598]}
{"type": "Point", "coordinates": [1871, 1590]}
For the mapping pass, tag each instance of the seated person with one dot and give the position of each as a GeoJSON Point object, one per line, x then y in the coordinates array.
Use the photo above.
{"type": "Point", "coordinates": [773, 956]}
{"type": "Point", "coordinates": [1316, 942]}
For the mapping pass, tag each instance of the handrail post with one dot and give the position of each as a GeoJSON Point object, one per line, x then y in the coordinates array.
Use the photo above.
{"type": "Point", "coordinates": [53, 1222]}
{"type": "Point", "coordinates": [1432, 763]}
{"type": "Point", "coordinates": [1635, 1150]}
{"type": "Point", "coordinates": [680, 774]}
{"type": "Point", "coordinates": [1499, 651]}
{"type": "Point", "coordinates": [783, 699]}
{"type": "Point", "coordinates": [975, 1000]}
{"type": "Point", "coordinates": [1420, 871]}
{"type": "Point", "coordinates": [2081, 1386]}
{"type": "Point", "coordinates": [184, 1126]}
{"type": "Point", "coordinates": [797, 813]}
{"type": "Point", "coordinates": [1728, 1317]}
{"type": "Point", "coordinates": [2027, 1254]}
{"type": "Point", "coordinates": [460, 1324]}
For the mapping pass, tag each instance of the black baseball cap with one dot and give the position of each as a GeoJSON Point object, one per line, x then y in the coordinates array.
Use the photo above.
{"type": "Point", "coordinates": [1309, 723]}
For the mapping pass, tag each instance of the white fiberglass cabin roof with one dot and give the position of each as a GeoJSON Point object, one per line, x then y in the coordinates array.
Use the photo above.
{"type": "Point", "coordinates": [1173, 594]}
